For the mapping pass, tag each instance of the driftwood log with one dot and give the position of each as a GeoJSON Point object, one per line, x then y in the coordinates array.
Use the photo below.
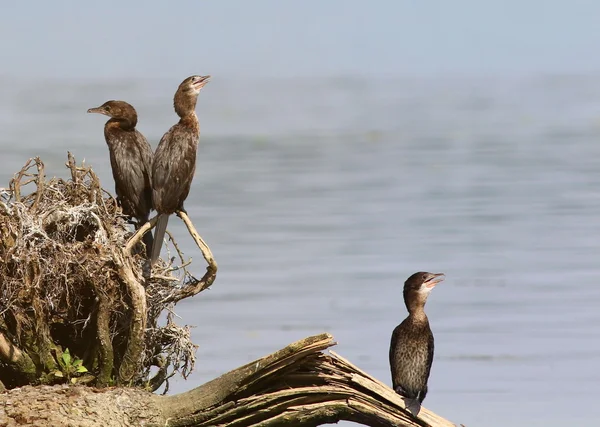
{"type": "Point", "coordinates": [82, 343]}
{"type": "Point", "coordinates": [296, 386]}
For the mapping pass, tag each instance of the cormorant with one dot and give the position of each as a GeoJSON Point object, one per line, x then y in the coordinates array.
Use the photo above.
{"type": "Point", "coordinates": [411, 347]}
{"type": "Point", "coordinates": [131, 162]}
{"type": "Point", "coordinates": [174, 161]}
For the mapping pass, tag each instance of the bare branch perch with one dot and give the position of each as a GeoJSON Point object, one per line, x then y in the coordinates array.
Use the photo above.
{"type": "Point", "coordinates": [193, 286]}
{"type": "Point", "coordinates": [298, 385]}
{"type": "Point", "coordinates": [137, 237]}
{"type": "Point", "coordinates": [206, 252]}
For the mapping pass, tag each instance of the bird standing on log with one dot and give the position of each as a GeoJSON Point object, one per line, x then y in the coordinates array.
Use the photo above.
{"type": "Point", "coordinates": [411, 347]}
{"type": "Point", "coordinates": [174, 162]}
{"type": "Point", "coordinates": [131, 162]}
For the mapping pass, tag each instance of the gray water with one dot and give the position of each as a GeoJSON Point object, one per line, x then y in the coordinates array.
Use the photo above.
{"type": "Point", "coordinates": [319, 197]}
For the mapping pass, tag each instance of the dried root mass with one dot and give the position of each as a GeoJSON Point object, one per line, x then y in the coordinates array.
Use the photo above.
{"type": "Point", "coordinates": [66, 283]}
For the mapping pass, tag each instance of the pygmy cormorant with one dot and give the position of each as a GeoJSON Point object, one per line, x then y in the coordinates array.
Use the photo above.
{"type": "Point", "coordinates": [411, 347]}
{"type": "Point", "coordinates": [174, 162]}
{"type": "Point", "coordinates": [131, 162]}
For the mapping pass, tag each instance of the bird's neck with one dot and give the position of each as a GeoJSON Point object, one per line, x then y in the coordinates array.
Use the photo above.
{"type": "Point", "coordinates": [415, 304]}
{"type": "Point", "coordinates": [123, 124]}
{"type": "Point", "coordinates": [185, 104]}
{"type": "Point", "coordinates": [418, 315]}
{"type": "Point", "coordinates": [190, 121]}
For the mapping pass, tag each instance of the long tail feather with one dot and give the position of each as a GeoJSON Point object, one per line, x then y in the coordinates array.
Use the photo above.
{"type": "Point", "coordinates": [159, 236]}
{"type": "Point", "coordinates": [149, 243]}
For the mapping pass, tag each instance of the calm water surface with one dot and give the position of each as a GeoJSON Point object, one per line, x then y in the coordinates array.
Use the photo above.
{"type": "Point", "coordinates": [320, 197]}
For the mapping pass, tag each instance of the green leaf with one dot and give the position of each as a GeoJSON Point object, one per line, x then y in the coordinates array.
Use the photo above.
{"type": "Point", "coordinates": [73, 380]}
{"type": "Point", "coordinates": [58, 374]}
{"type": "Point", "coordinates": [77, 363]}
{"type": "Point", "coordinates": [66, 357]}
{"type": "Point", "coordinates": [81, 369]}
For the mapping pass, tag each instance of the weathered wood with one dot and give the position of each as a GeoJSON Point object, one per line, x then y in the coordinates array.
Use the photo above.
{"type": "Point", "coordinates": [130, 365]}
{"type": "Point", "coordinates": [76, 406]}
{"type": "Point", "coordinates": [206, 252]}
{"type": "Point", "coordinates": [298, 385]}
{"type": "Point", "coordinates": [13, 356]}
{"type": "Point", "coordinates": [137, 236]}
{"type": "Point", "coordinates": [219, 390]}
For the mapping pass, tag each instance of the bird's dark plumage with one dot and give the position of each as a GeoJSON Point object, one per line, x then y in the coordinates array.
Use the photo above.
{"type": "Point", "coordinates": [174, 162]}
{"type": "Point", "coordinates": [412, 343]}
{"type": "Point", "coordinates": [131, 162]}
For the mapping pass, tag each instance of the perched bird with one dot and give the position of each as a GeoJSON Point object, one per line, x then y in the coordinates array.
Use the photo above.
{"type": "Point", "coordinates": [174, 162]}
{"type": "Point", "coordinates": [131, 162]}
{"type": "Point", "coordinates": [411, 347]}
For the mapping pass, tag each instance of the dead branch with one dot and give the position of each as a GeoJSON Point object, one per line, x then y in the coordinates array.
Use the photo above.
{"type": "Point", "coordinates": [206, 252]}
{"type": "Point", "coordinates": [39, 183]}
{"type": "Point", "coordinates": [132, 358]}
{"type": "Point", "coordinates": [298, 385]}
{"type": "Point", "coordinates": [194, 286]}
{"type": "Point", "coordinates": [191, 285]}
{"type": "Point", "coordinates": [137, 237]}
{"type": "Point", "coordinates": [184, 263]}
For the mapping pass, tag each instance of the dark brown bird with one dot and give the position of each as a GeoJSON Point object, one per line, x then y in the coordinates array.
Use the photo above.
{"type": "Point", "coordinates": [411, 348]}
{"type": "Point", "coordinates": [131, 162]}
{"type": "Point", "coordinates": [174, 162]}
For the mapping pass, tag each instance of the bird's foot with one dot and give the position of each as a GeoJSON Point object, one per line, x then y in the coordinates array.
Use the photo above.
{"type": "Point", "coordinates": [412, 403]}
{"type": "Point", "coordinates": [400, 390]}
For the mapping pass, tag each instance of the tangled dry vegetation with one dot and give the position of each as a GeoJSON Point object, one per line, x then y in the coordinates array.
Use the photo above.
{"type": "Point", "coordinates": [75, 302]}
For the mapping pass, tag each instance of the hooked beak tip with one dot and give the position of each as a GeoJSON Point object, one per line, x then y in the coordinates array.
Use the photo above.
{"type": "Point", "coordinates": [437, 278]}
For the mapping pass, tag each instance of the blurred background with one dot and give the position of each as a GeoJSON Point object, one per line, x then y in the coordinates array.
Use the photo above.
{"type": "Point", "coordinates": [346, 145]}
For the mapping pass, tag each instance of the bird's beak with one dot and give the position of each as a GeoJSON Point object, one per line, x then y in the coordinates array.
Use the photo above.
{"type": "Point", "coordinates": [97, 110]}
{"type": "Point", "coordinates": [434, 280]}
{"type": "Point", "coordinates": [201, 82]}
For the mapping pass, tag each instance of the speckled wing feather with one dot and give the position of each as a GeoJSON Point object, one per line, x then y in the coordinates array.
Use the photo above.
{"type": "Point", "coordinates": [173, 168]}
{"type": "Point", "coordinates": [396, 357]}
{"type": "Point", "coordinates": [411, 356]}
{"type": "Point", "coordinates": [131, 160]}
{"type": "Point", "coordinates": [145, 153]}
{"type": "Point", "coordinates": [430, 350]}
